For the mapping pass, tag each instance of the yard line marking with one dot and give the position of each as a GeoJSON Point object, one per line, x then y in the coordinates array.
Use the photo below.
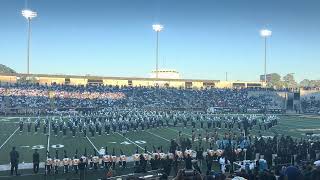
{"type": "Point", "coordinates": [181, 132]}
{"type": "Point", "coordinates": [158, 136]}
{"type": "Point", "coordinates": [9, 138]}
{"type": "Point", "coordinates": [132, 142]}
{"type": "Point", "coordinates": [92, 144]}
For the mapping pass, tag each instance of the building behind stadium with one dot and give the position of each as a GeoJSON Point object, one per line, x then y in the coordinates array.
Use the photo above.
{"type": "Point", "coordinates": [166, 79]}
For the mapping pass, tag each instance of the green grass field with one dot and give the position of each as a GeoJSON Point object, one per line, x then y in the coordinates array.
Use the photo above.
{"type": "Point", "coordinates": [288, 125]}
{"type": "Point", "coordinates": [295, 126]}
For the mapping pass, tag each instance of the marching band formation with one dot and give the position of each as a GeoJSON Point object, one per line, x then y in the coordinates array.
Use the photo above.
{"type": "Point", "coordinates": [234, 149]}
{"type": "Point", "coordinates": [112, 120]}
{"type": "Point", "coordinates": [115, 120]}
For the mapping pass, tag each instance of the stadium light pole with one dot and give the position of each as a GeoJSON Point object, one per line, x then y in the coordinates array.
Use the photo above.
{"type": "Point", "coordinates": [265, 33]}
{"type": "Point", "coordinates": [157, 28]}
{"type": "Point", "coordinates": [29, 15]}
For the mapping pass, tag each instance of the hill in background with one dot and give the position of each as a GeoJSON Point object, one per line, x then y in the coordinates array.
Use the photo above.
{"type": "Point", "coordinates": [6, 69]}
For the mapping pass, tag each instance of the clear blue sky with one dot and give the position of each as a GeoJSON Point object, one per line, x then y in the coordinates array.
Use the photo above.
{"type": "Point", "coordinates": [202, 38]}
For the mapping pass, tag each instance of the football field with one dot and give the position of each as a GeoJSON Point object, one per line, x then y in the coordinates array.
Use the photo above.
{"type": "Point", "coordinates": [25, 143]}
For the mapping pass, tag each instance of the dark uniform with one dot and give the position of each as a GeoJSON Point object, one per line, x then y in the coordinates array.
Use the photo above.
{"type": "Point", "coordinates": [36, 160]}
{"type": "Point", "coordinates": [21, 125]}
{"type": "Point", "coordinates": [14, 159]}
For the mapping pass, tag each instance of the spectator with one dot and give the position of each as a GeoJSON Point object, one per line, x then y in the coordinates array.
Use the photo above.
{"type": "Point", "coordinates": [315, 175]}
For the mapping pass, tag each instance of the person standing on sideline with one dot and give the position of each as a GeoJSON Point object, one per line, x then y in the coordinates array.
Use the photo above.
{"type": "Point", "coordinates": [14, 159]}
{"type": "Point", "coordinates": [36, 161]}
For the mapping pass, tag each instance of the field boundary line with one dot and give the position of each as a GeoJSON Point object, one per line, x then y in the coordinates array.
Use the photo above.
{"type": "Point", "coordinates": [92, 144]}
{"type": "Point", "coordinates": [158, 136]}
{"type": "Point", "coordinates": [132, 142]}
{"type": "Point", "coordinates": [181, 132]}
{"type": "Point", "coordinates": [9, 138]}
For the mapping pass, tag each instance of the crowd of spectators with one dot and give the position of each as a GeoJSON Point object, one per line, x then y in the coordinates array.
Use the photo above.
{"type": "Point", "coordinates": [311, 104]}
{"type": "Point", "coordinates": [67, 96]}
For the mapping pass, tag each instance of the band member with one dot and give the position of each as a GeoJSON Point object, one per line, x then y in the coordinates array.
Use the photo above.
{"type": "Point", "coordinates": [95, 160]}
{"type": "Point", "coordinates": [45, 127]}
{"type": "Point", "coordinates": [84, 158]}
{"type": "Point", "coordinates": [161, 154]}
{"type": "Point", "coordinates": [84, 130]}
{"type": "Point", "coordinates": [107, 127]}
{"type": "Point", "coordinates": [90, 162]}
{"type": "Point", "coordinates": [75, 162]}
{"type": "Point", "coordinates": [60, 124]}
{"type": "Point", "coordinates": [207, 136]}
{"type": "Point", "coordinates": [219, 152]}
{"type": "Point", "coordinates": [136, 157]}
{"type": "Point", "coordinates": [193, 136]}
{"type": "Point", "coordinates": [223, 163]}
{"type": "Point", "coordinates": [80, 128]}
{"type": "Point", "coordinates": [179, 154]}
{"type": "Point", "coordinates": [209, 123]}
{"type": "Point", "coordinates": [122, 160]}
{"type": "Point", "coordinates": [29, 125]}
{"type": "Point", "coordinates": [211, 152]}
{"type": "Point", "coordinates": [188, 152]}
{"type": "Point", "coordinates": [193, 123]}
{"type": "Point", "coordinates": [100, 128]}
{"type": "Point", "coordinates": [201, 123]}
{"type": "Point", "coordinates": [55, 128]}
{"type": "Point", "coordinates": [175, 122]}
{"type": "Point", "coordinates": [56, 163]}
{"type": "Point", "coordinates": [146, 155]}
{"type": "Point", "coordinates": [21, 125]}
{"type": "Point", "coordinates": [73, 130]}
{"type": "Point", "coordinates": [66, 162]}
{"type": "Point", "coordinates": [36, 126]}
{"type": "Point", "coordinates": [64, 129]}
{"type": "Point", "coordinates": [106, 159]}
{"type": "Point", "coordinates": [200, 139]}
{"type": "Point", "coordinates": [49, 163]}
{"type": "Point", "coordinates": [185, 122]}
{"type": "Point", "coordinates": [199, 156]}
{"type": "Point", "coordinates": [91, 129]}
{"type": "Point", "coordinates": [114, 159]}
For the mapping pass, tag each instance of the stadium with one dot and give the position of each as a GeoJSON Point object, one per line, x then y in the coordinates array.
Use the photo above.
{"type": "Point", "coordinates": [62, 120]}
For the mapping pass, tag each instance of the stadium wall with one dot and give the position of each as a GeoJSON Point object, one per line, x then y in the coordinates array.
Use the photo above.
{"type": "Point", "coordinates": [50, 80]}
{"type": "Point", "coordinates": [8, 79]}
{"type": "Point", "coordinates": [78, 81]}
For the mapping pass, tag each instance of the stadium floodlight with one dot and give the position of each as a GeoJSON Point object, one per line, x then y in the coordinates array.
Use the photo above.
{"type": "Point", "coordinates": [158, 28]}
{"type": "Point", "coordinates": [28, 14]}
{"type": "Point", "coordinates": [265, 33]}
